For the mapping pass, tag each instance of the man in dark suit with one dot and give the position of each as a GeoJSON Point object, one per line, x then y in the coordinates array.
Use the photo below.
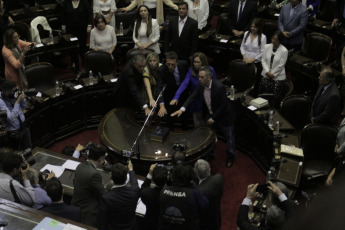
{"type": "Point", "coordinates": [88, 186]}
{"type": "Point", "coordinates": [58, 207]}
{"type": "Point", "coordinates": [292, 21]}
{"type": "Point", "coordinates": [130, 84]}
{"type": "Point", "coordinates": [241, 13]}
{"type": "Point", "coordinates": [212, 188]}
{"type": "Point", "coordinates": [217, 109]}
{"type": "Point", "coordinates": [182, 34]}
{"type": "Point", "coordinates": [276, 215]}
{"type": "Point", "coordinates": [326, 104]}
{"type": "Point", "coordinates": [171, 74]}
{"type": "Point", "coordinates": [149, 193]}
{"type": "Point", "coordinates": [117, 207]}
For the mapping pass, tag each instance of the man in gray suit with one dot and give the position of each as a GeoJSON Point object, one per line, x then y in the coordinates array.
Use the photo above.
{"type": "Point", "coordinates": [88, 186]}
{"type": "Point", "coordinates": [292, 21]}
{"type": "Point", "coordinates": [212, 188]}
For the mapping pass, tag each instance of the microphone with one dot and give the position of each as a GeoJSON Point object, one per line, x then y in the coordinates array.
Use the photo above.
{"type": "Point", "coordinates": [87, 146]}
{"type": "Point", "coordinates": [164, 87]}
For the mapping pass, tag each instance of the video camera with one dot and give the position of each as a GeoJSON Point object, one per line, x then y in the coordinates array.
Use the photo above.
{"type": "Point", "coordinates": [29, 92]}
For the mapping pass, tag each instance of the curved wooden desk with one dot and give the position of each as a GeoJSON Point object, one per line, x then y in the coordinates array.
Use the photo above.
{"type": "Point", "coordinates": [118, 131]}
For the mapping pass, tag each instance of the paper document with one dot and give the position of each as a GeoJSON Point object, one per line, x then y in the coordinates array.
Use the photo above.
{"type": "Point", "coordinates": [58, 170]}
{"type": "Point", "coordinates": [72, 165]}
{"type": "Point", "coordinates": [72, 227]}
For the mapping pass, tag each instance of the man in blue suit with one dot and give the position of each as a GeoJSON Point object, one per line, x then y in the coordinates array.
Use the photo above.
{"type": "Point", "coordinates": [292, 21]}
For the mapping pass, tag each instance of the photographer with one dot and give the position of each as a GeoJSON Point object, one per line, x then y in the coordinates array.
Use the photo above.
{"type": "Point", "coordinates": [19, 135]}
{"type": "Point", "coordinates": [277, 214]}
{"type": "Point", "coordinates": [38, 182]}
{"type": "Point", "coordinates": [11, 189]}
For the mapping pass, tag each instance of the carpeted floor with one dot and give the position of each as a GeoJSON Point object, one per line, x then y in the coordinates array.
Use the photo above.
{"type": "Point", "coordinates": [236, 178]}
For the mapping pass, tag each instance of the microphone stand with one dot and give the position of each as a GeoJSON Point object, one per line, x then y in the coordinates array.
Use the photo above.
{"type": "Point", "coordinates": [142, 128]}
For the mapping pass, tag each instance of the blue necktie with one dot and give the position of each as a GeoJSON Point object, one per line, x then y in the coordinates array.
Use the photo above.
{"type": "Point", "coordinates": [177, 76]}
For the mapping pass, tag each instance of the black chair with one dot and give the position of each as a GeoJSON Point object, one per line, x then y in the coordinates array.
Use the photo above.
{"type": "Point", "coordinates": [99, 62]}
{"type": "Point", "coordinates": [40, 76]}
{"type": "Point", "coordinates": [317, 142]}
{"type": "Point", "coordinates": [23, 30]}
{"type": "Point", "coordinates": [132, 52]}
{"type": "Point", "coordinates": [285, 90]}
{"type": "Point", "coordinates": [127, 20]}
{"type": "Point", "coordinates": [296, 109]}
{"type": "Point", "coordinates": [269, 27]}
{"type": "Point", "coordinates": [223, 25]}
{"type": "Point", "coordinates": [241, 75]}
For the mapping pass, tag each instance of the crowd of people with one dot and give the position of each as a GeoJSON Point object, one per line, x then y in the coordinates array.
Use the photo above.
{"type": "Point", "coordinates": [178, 198]}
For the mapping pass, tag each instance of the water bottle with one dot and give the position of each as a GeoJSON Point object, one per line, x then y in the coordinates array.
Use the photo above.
{"type": "Point", "coordinates": [232, 93]}
{"type": "Point", "coordinates": [121, 29]}
{"type": "Point", "coordinates": [90, 78]}
{"type": "Point", "coordinates": [270, 119]}
{"type": "Point", "coordinates": [51, 37]}
{"type": "Point", "coordinates": [277, 128]}
{"type": "Point", "coordinates": [57, 89]}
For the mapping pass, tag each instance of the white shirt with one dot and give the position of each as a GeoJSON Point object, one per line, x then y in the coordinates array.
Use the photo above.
{"type": "Point", "coordinates": [103, 40]}
{"type": "Point", "coordinates": [181, 25]}
{"type": "Point", "coordinates": [252, 49]}
{"type": "Point", "coordinates": [151, 4]}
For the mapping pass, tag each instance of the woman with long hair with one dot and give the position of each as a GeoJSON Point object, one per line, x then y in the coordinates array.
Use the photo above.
{"type": "Point", "coordinates": [13, 52]}
{"type": "Point", "coordinates": [146, 31]}
{"type": "Point", "coordinates": [253, 43]}
{"type": "Point", "coordinates": [150, 77]}
{"type": "Point", "coordinates": [192, 80]}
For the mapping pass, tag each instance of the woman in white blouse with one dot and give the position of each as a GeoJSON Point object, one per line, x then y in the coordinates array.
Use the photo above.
{"type": "Point", "coordinates": [106, 8]}
{"type": "Point", "coordinates": [103, 36]}
{"type": "Point", "coordinates": [146, 31]}
{"type": "Point", "coordinates": [199, 11]}
{"type": "Point", "coordinates": [273, 63]}
{"type": "Point", "coordinates": [253, 43]}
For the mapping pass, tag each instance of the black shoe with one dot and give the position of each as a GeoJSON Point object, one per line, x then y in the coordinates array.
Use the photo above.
{"type": "Point", "coordinates": [229, 162]}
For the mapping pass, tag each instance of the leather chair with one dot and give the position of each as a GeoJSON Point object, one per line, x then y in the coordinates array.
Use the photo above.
{"type": "Point", "coordinates": [127, 20]}
{"type": "Point", "coordinates": [296, 109]}
{"type": "Point", "coordinates": [40, 76]}
{"type": "Point", "coordinates": [285, 90]}
{"type": "Point", "coordinates": [99, 61]}
{"type": "Point", "coordinates": [317, 142]}
{"type": "Point", "coordinates": [222, 24]}
{"type": "Point", "coordinates": [23, 30]}
{"type": "Point", "coordinates": [269, 27]}
{"type": "Point", "coordinates": [135, 51]}
{"type": "Point", "coordinates": [317, 46]}
{"type": "Point", "coordinates": [241, 75]}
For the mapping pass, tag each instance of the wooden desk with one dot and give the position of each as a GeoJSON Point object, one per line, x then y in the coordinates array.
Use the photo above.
{"type": "Point", "coordinates": [45, 156]}
{"type": "Point", "coordinates": [118, 131]}
{"type": "Point", "coordinates": [22, 217]}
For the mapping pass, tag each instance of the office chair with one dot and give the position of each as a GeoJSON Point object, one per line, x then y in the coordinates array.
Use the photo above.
{"type": "Point", "coordinates": [296, 109]}
{"type": "Point", "coordinates": [285, 90]}
{"type": "Point", "coordinates": [241, 75]}
{"type": "Point", "coordinates": [317, 142]}
{"type": "Point", "coordinates": [99, 62]}
{"type": "Point", "coordinates": [23, 30]}
{"type": "Point", "coordinates": [269, 27]}
{"type": "Point", "coordinates": [40, 76]}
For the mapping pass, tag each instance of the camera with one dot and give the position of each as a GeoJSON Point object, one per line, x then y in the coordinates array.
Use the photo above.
{"type": "Point", "coordinates": [127, 153]}
{"type": "Point", "coordinates": [43, 176]}
{"type": "Point", "coordinates": [29, 92]}
{"type": "Point", "coordinates": [28, 158]}
{"type": "Point", "coordinates": [262, 188]}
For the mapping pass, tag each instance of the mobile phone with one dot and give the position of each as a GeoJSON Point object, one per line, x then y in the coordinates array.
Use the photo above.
{"type": "Point", "coordinates": [262, 188]}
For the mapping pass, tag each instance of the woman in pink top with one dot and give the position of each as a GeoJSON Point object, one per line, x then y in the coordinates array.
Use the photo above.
{"type": "Point", "coordinates": [13, 52]}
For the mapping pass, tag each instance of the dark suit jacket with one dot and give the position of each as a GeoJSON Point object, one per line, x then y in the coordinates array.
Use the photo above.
{"type": "Point", "coordinates": [186, 44]}
{"type": "Point", "coordinates": [294, 24]}
{"type": "Point", "coordinates": [168, 78]}
{"type": "Point", "coordinates": [88, 188]}
{"type": "Point", "coordinates": [212, 188]}
{"type": "Point", "coordinates": [117, 207]}
{"type": "Point", "coordinates": [150, 197]}
{"type": "Point", "coordinates": [325, 109]}
{"type": "Point", "coordinates": [128, 88]}
{"type": "Point", "coordinates": [63, 210]}
{"type": "Point", "coordinates": [249, 12]}
{"type": "Point", "coordinates": [221, 106]}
